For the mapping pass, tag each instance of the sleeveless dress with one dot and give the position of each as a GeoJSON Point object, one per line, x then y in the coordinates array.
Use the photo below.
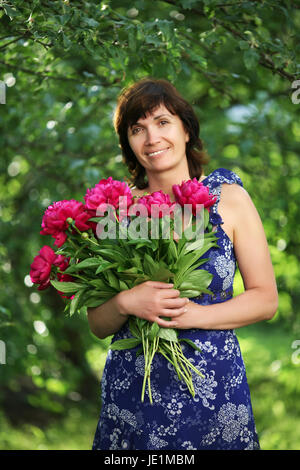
{"type": "Point", "coordinates": [220, 415]}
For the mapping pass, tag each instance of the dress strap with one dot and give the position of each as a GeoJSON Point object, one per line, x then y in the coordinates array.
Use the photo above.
{"type": "Point", "coordinates": [214, 183]}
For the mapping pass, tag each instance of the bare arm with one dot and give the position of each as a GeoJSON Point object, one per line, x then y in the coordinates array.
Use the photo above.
{"type": "Point", "coordinates": [259, 301]}
{"type": "Point", "coordinates": [107, 319]}
{"type": "Point", "coordinates": [149, 300]}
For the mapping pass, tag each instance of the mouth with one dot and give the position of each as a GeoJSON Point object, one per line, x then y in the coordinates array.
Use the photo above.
{"type": "Point", "coordinates": [158, 152]}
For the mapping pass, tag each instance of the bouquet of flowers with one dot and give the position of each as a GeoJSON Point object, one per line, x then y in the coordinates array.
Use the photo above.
{"type": "Point", "coordinates": [112, 243]}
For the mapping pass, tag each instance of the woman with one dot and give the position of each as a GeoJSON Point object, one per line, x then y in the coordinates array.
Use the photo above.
{"type": "Point", "coordinates": [159, 137]}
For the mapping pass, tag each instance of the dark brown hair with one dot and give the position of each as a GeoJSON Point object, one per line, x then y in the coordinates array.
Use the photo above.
{"type": "Point", "coordinates": [143, 97]}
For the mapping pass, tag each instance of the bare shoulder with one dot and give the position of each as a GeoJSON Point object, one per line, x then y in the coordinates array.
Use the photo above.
{"type": "Point", "coordinates": [234, 199]}
{"type": "Point", "coordinates": [234, 193]}
{"type": "Point", "coordinates": [236, 202]}
{"type": "Point", "coordinates": [239, 202]}
{"type": "Point", "coordinates": [250, 242]}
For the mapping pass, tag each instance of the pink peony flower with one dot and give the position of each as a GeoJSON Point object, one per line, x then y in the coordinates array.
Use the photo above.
{"type": "Point", "coordinates": [40, 269]}
{"type": "Point", "coordinates": [107, 191]}
{"type": "Point", "coordinates": [155, 200]}
{"type": "Point", "coordinates": [61, 262]}
{"type": "Point", "coordinates": [55, 219]}
{"type": "Point", "coordinates": [193, 192]}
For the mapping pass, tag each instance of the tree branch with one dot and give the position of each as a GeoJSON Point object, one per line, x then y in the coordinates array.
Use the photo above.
{"type": "Point", "coordinates": [10, 42]}
{"type": "Point", "coordinates": [264, 61]}
{"type": "Point", "coordinates": [59, 77]}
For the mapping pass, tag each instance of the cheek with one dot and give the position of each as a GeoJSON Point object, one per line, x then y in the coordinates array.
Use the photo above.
{"type": "Point", "coordinates": [132, 144]}
{"type": "Point", "coordinates": [135, 147]}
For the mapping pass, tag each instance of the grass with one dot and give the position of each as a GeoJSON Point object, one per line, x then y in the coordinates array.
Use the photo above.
{"type": "Point", "coordinates": [273, 377]}
{"type": "Point", "coordinates": [274, 383]}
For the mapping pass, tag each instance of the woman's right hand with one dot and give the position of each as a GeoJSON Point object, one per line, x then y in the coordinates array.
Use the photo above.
{"type": "Point", "coordinates": [152, 300]}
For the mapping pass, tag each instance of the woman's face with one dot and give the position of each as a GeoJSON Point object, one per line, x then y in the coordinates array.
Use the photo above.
{"type": "Point", "coordinates": [159, 140]}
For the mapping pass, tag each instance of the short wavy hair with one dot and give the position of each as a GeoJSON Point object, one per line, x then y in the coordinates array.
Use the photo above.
{"type": "Point", "coordinates": [144, 97]}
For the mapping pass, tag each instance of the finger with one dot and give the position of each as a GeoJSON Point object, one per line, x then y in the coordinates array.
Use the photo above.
{"type": "Point", "coordinates": [160, 285]}
{"type": "Point", "coordinates": [166, 323]}
{"type": "Point", "coordinates": [175, 303]}
{"type": "Point", "coordinates": [171, 294]}
{"type": "Point", "coordinates": [174, 312]}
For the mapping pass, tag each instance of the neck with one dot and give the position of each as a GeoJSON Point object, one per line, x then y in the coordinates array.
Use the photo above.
{"type": "Point", "coordinates": [164, 182]}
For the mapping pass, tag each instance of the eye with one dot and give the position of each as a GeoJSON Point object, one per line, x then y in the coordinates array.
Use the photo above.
{"type": "Point", "coordinates": [135, 130]}
{"type": "Point", "coordinates": [163, 122]}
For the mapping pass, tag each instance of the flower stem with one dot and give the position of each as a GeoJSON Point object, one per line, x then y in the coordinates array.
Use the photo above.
{"type": "Point", "coordinates": [72, 243]}
{"type": "Point", "coordinates": [78, 231]}
{"type": "Point", "coordinates": [145, 374]}
{"type": "Point", "coordinates": [181, 365]}
{"type": "Point", "coordinates": [188, 363]}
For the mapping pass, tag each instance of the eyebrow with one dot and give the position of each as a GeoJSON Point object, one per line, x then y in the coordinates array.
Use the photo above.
{"type": "Point", "coordinates": [155, 119]}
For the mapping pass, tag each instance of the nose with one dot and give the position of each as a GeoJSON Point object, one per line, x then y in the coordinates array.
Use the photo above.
{"type": "Point", "coordinates": [152, 136]}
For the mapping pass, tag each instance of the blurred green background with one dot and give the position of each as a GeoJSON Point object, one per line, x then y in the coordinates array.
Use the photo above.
{"type": "Point", "coordinates": [62, 66]}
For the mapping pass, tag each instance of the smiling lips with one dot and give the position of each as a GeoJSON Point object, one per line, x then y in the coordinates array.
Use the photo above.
{"type": "Point", "coordinates": [158, 152]}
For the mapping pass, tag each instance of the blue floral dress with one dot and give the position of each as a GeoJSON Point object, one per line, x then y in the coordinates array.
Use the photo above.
{"type": "Point", "coordinates": [220, 415]}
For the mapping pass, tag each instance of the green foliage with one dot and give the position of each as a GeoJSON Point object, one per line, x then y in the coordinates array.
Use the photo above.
{"type": "Point", "coordinates": [274, 385]}
{"type": "Point", "coordinates": [64, 64]}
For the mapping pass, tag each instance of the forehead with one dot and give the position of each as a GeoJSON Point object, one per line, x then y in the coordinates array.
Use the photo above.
{"type": "Point", "coordinates": [155, 114]}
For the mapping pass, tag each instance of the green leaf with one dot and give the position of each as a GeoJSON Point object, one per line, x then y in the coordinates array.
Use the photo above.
{"type": "Point", "coordinates": [197, 279]}
{"type": "Point", "coordinates": [150, 266]}
{"type": "Point", "coordinates": [190, 343]}
{"type": "Point", "coordinates": [67, 287]}
{"type": "Point", "coordinates": [154, 331]}
{"type": "Point", "coordinates": [141, 323]}
{"type": "Point", "coordinates": [133, 328]}
{"type": "Point", "coordinates": [112, 280]}
{"type": "Point", "coordinates": [163, 274]}
{"type": "Point", "coordinates": [127, 343]}
{"type": "Point", "coordinates": [123, 285]}
{"type": "Point", "coordinates": [90, 22]}
{"type": "Point", "coordinates": [87, 263]}
{"type": "Point", "coordinates": [244, 45]}
{"type": "Point", "coordinates": [10, 12]}
{"type": "Point", "coordinates": [95, 219]}
{"type": "Point", "coordinates": [126, 271]}
{"type": "Point", "coordinates": [190, 293]}
{"type": "Point", "coordinates": [196, 245]}
{"type": "Point", "coordinates": [112, 254]}
{"type": "Point", "coordinates": [105, 265]}
{"type": "Point", "coordinates": [188, 4]}
{"type": "Point", "coordinates": [172, 252]}
{"type": "Point", "coordinates": [251, 58]}
{"type": "Point", "coordinates": [75, 302]}
{"type": "Point", "coordinates": [5, 311]}
{"type": "Point", "coordinates": [132, 40]}
{"type": "Point", "coordinates": [185, 262]}
{"type": "Point", "coordinates": [168, 334]}
{"type": "Point", "coordinates": [139, 351]}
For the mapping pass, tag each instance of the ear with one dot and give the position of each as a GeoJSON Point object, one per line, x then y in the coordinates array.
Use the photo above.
{"type": "Point", "coordinates": [187, 137]}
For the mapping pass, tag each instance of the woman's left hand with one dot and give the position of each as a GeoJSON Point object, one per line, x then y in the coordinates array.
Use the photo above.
{"type": "Point", "coordinates": [191, 318]}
